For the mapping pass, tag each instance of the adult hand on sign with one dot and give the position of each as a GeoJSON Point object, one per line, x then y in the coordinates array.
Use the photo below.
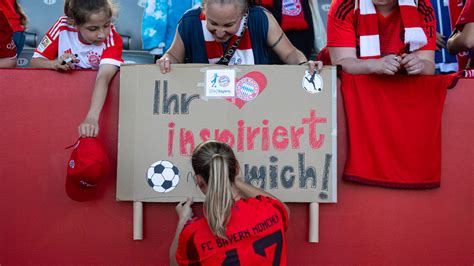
{"type": "Point", "coordinates": [314, 66]}
{"type": "Point", "coordinates": [165, 64]}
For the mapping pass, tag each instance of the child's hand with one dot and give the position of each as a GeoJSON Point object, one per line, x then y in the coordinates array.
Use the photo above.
{"type": "Point", "coordinates": [89, 128]}
{"type": "Point", "coordinates": [65, 62]}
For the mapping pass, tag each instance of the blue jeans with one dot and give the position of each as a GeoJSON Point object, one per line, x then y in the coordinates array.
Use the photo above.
{"type": "Point", "coordinates": [19, 39]}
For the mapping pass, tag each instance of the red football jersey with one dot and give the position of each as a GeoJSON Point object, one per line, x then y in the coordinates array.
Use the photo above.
{"type": "Point", "coordinates": [343, 27]}
{"type": "Point", "coordinates": [394, 128]}
{"type": "Point", "coordinates": [256, 236]}
{"type": "Point", "coordinates": [467, 15]}
{"type": "Point", "coordinates": [7, 46]}
{"type": "Point", "coordinates": [14, 19]}
{"type": "Point", "coordinates": [455, 8]}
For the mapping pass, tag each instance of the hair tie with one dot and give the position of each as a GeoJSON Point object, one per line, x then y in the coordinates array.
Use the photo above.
{"type": "Point", "coordinates": [215, 155]}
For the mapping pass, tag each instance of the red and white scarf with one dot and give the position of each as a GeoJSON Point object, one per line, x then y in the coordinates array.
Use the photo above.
{"type": "Point", "coordinates": [242, 56]}
{"type": "Point", "coordinates": [415, 37]}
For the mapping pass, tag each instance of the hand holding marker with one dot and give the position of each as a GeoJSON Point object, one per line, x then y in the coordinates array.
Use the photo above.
{"type": "Point", "coordinates": [68, 60]}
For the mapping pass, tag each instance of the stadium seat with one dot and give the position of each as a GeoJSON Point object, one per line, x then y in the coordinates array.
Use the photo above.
{"type": "Point", "coordinates": [138, 57]}
{"type": "Point", "coordinates": [31, 39]}
{"type": "Point", "coordinates": [24, 60]}
{"type": "Point", "coordinates": [41, 16]}
{"type": "Point", "coordinates": [130, 20]}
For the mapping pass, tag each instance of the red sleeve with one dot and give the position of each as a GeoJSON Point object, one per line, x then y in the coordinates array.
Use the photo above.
{"type": "Point", "coordinates": [180, 255]}
{"type": "Point", "coordinates": [187, 253]}
{"type": "Point", "coordinates": [48, 47]}
{"type": "Point", "coordinates": [113, 52]}
{"type": "Point", "coordinates": [467, 15]}
{"type": "Point", "coordinates": [7, 46]}
{"type": "Point", "coordinates": [455, 8]}
{"type": "Point", "coordinates": [340, 26]}
{"type": "Point", "coordinates": [278, 205]}
{"type": "Point", "coordinates": [428, 20]}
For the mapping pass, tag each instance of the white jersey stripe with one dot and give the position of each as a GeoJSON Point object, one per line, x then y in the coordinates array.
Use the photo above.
{"type": "Point", "coordinates": [60, 28]}
{"type": "Point", "coordinates": [110, 61]}
{"type": "Point", "coordinates": [55, 29]}
{"type": "Point", "coordinates": [55, 26]}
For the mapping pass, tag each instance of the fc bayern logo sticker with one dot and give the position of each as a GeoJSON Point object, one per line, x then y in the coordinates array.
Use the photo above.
{"type": "Point", "coordinates": [247, 89]}
{"type": "Point", "coordinates": [224, 81]}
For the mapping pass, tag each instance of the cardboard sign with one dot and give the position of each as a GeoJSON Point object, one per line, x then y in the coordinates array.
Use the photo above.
{"type": "Point", "coordinates": [280, 124]}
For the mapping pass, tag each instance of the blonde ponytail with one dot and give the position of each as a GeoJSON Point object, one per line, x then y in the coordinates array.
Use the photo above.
{"type": "Point", "coordinates": [218, 203]}
{"type": "Point", "coordinates": [215, 162]}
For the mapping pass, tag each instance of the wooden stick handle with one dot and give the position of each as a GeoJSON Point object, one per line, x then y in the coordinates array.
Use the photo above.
{"type": "Point", "coordinates": [314, 222]}
{"type": "Point", "coordinates": [137, 220]}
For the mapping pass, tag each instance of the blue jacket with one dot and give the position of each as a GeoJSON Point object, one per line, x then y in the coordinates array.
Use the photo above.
{"type": "Point", "coordinates": [160, 20]}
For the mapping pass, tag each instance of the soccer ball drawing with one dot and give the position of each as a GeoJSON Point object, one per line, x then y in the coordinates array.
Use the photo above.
{"type": "Point", "coordinates": [163, 176]}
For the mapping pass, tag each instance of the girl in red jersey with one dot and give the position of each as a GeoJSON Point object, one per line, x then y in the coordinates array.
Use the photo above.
{"type": "Point", "coordinates": [243, 225]}
{"type": "Point", "coordinates": [84, 39]}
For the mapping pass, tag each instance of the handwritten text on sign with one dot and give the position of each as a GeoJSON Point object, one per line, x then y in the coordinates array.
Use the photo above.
{"type": "Point", "coordinates": [282, 135]}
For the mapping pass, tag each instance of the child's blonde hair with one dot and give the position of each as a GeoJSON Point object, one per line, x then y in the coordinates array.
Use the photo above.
{"type": "Point", "coordinates": [80, 10]}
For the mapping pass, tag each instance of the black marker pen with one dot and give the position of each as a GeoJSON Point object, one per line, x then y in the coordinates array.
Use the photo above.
{"type": "Point", "coordinates": [68, 60]}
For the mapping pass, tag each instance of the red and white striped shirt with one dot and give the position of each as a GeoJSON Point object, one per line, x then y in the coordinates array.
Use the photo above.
{"type": "Point", "coordinates": [64, 38]}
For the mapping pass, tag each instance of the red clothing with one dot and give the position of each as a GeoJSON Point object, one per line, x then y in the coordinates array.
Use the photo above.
{"type": "Point", "coordinates": [8, 8]}
{"type": "Point", "coordinates": [455, 8]}
{"type": "Point", "coordinates": [7, 46]}
{"type": "Point", "coordinates": [255, 237]}
{"type": "Point", "coordinates": [394, 126]}
{"type": "Point", "coordinates": [343, 27]}
{"type": "Point", "coordinates": [466, 16]}
{"type": "Point", "coordinates": [464, 12]}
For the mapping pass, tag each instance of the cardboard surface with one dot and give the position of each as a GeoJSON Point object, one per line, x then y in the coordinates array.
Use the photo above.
{"type": "Point", "coordinates": [284, 136]}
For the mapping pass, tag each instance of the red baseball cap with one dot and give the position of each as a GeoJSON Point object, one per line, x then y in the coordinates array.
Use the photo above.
{"type": "Point", "coordinates": [86, 168]}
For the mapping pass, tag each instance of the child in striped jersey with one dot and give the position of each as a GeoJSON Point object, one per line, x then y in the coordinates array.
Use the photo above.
{"type": "Point", "coordinates": [84, 38]}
